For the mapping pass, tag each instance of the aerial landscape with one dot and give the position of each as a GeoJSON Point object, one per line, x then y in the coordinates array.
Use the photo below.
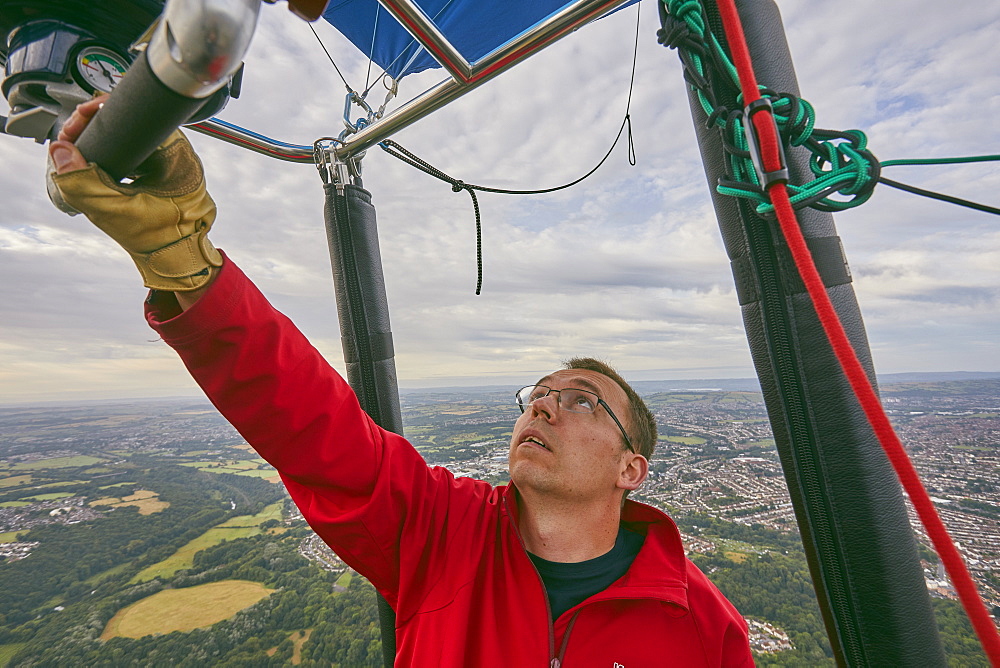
{"type": "Point", "coordinates": [147, 532]}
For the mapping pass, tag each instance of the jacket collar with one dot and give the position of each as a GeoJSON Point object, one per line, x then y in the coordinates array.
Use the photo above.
{"type": "Point", "coordinates": [659, 570]}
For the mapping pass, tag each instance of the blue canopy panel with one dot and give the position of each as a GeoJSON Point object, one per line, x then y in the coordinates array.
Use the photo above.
{"type": "Point", "coordinates": [474, 27]}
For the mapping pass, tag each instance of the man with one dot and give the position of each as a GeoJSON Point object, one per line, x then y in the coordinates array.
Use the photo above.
{"type": "Point", "coordinates": [554, 569]}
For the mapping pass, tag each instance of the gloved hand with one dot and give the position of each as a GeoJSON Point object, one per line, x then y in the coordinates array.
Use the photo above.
{"type": "Point", "coordinates": [162, 218]}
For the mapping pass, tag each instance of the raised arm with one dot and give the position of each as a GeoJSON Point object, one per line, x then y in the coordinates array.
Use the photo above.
{"type": "Point", "coordinates": [366, 491]}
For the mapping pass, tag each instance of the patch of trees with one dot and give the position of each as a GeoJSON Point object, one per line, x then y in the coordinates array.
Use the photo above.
{"type": "Point", "coordinates": [344, 625]}
{"type": "Point", "coordinates": [68, 555]}
{"type": "Point", "coordinates": [776, 586]}
{"type": "Point", "coordinates": [981, 508]}
{"type": "Point", "coordinates": [960, 643]}
{"type": "Point", "coordinates": [700, 524]}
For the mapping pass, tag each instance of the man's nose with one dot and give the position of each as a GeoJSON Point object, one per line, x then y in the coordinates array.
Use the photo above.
{"type": "Point", "coordinates": [547, 405]}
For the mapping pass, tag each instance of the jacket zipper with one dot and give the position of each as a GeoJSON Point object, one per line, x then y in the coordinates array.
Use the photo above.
{"type": "Point", "coordinates": [558, 661]}
{"type": "Point", "coordinates": [554, 661]}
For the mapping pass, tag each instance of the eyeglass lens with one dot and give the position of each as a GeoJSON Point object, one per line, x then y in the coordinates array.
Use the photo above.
{"type": "Point", "coordinates": [570, 399]}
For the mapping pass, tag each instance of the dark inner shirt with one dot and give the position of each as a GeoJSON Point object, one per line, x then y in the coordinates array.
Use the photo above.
{"type": "Point", "coordinates": [570, 584]}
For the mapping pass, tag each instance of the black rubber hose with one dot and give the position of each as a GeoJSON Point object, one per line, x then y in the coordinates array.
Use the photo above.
{"type": "Point", "coordinates": [135, 119]}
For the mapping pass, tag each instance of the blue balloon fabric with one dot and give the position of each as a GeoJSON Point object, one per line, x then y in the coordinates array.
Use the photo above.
{"type": "Point", "coordinates": [474, 27]}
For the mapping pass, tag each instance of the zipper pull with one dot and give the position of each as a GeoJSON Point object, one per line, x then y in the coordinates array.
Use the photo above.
{"type": "Point", "coordinates": [555, 663]}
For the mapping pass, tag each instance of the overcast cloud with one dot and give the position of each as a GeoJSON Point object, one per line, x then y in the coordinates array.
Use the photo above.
{"type": "Point", "coordinates": [628, 265]}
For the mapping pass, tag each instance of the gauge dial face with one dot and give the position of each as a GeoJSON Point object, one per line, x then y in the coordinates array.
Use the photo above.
{"type": "Point", "coordinates": [100, 68]}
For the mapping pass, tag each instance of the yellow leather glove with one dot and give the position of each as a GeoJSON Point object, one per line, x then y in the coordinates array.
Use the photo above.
{"type": "Point", "coordinates": [162, 218]}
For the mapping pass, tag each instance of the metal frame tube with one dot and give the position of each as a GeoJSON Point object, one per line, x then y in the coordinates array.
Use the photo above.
{"type": "Point", "coordinates": [425, 31]}
{"type": "Point", "coordinates": [466, 77]}
{"type": "Point", "coordinates": [541, 35]}
{"type": "Point", "coordinates": [234, 134]}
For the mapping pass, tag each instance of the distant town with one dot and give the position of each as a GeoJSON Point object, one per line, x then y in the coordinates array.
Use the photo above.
{"type": "Point", "coordinates": [716, 458]}
{"type": "Point", "coordinates": [702, 465]}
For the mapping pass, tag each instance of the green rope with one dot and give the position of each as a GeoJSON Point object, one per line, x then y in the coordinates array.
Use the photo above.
{"type": "Point", "coordinates": [940, 161]}
{"type": "Point", "coordinates": [840, 162]}
{"type": "Point", "coordinates": [844, 171]}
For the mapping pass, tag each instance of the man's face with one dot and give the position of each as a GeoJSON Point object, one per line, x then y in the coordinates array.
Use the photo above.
{"type": "Point", "coordinates": [573, 456]}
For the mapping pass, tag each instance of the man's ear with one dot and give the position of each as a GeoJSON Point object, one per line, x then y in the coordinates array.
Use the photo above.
{"type": "Point", "coordinates": [635, 468]}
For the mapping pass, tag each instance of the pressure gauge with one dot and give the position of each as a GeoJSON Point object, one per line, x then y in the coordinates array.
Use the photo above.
{"type": "Point", "coordinates": [99, 69]}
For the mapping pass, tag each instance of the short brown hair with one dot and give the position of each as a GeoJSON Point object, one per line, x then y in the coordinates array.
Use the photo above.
{"type": "Point", "coordinates": [641, 420]}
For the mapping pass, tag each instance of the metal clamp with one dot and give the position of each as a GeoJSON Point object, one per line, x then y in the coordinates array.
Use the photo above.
{"type": "Point", "coordinates": [332, 168]}
{"type": "Point", "coordinates": [360, 101]}
{"type": "Point", "coordinates": [779, 175]}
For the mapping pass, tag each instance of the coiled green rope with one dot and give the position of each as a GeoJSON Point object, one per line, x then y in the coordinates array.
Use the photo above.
{"type": "Point", "coordinates": [840, 163]}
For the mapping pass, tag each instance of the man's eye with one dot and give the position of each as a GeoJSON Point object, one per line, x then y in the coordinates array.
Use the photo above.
{"type": "Point", "coordinates": [538, 393]}
{"type": "Point", "coordinates": [583, 401]}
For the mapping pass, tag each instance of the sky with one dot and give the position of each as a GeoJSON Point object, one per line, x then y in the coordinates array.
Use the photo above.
{"type": "Point", "coordinates": [627, 266]}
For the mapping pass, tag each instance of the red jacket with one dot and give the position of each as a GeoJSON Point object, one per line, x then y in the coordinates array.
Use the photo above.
{"type": "Point", "coordinates": [444, 551]}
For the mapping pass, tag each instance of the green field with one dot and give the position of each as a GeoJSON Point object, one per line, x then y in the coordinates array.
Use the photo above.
{"type": "Point", "coordinates": [262, 473]}
{"type": "Point", "coordinates": [94, 579]}
{"type": "Point", "coordinates": [48, 497]}
{"type": "Point", "coordinates": [686, 440]}
{"type": "Point", "coordinates": [15, 481]}
{"type": "Point", "coordinates": [184, 609]}
{"type": "Point", "coordinates": [14, 504]}
{"type": "Point", "coordinates": [57, 463]}
{"type": "Point", "coordinates": [64, 483]}
{"type": "Point", "coordinates": [257, 468]}
{"type": "Point", "coordinates": [7, 652]}
{"type": "Point", "coordinates": [11, 537]}
{"type": "Point", "coordinates": [233, 528]}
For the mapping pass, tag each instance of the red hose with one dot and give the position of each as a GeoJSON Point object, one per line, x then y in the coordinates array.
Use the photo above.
{"type": "Point", "coordinates": [769, 143]}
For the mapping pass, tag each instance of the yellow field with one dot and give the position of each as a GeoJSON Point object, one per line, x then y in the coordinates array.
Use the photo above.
{"type": "Point", "coordinates": [236, 527]}
{"type": "Point", "coordinates": [738, 557]}
{"type": "Point", "coordinates": [184, 609]}
{"type": "Point", "coordinates": [147, 501]}
{"type": "Point", "coordinates": [298, 638]}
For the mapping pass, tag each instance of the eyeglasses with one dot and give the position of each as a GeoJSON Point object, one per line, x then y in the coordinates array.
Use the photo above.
{"type": "Point", "coordinates": [569, 399]}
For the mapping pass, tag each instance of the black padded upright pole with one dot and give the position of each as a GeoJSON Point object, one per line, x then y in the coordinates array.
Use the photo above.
{"type": "Point", "coordinates": [363, 311]}
{"type": "Point", "coordinates": [849, 505]}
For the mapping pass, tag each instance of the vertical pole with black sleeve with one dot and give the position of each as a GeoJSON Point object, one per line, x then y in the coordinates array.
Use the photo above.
{"type": "Point", "coordinates": [849, 505]}
{"type": "Point", "coordinates": [363, 311]}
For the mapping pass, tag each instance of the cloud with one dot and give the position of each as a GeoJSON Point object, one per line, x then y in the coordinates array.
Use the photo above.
{"type": "Point", "coordinates": [629, 265]}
